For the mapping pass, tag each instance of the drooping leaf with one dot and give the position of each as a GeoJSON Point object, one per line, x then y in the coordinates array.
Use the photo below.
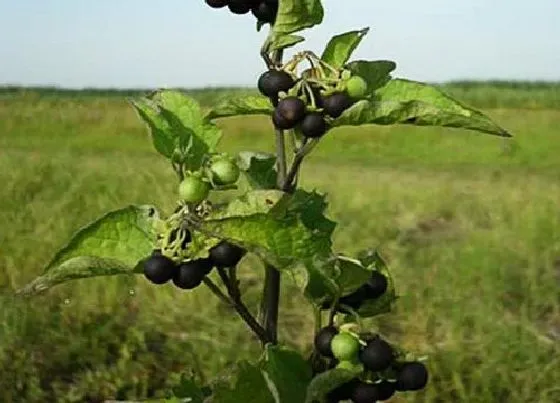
{"type": "Point", "coordinates": [114, 244]}
{"type": "Point", "coordinates": [289, 372]}
{"type": "Point", "coordinates": [340, 47]}
{"type": "Point", "coordinates": [250, 386]}
{"type": "Point", "coordinates": [285, 41]}
{"type": "Point", "coordinates": [258, 169]}
{"type": "Point", "coordinates": [376, 73]}
{"type": "Point", "coordinates": [326, 382]}
{"type": "Point", "coordinates": [246, 105]}
{"type": "Point", "coordinates": [409, 102]}
{"type": "Point", "coordinates": [296, 15]}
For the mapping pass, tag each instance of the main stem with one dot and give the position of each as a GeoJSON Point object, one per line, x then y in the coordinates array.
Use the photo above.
{"type": "Point", "coordinates": [271, 288]}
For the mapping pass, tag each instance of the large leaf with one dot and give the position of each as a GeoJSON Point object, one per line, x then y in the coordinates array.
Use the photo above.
{"type": "Point", "coordinates": [113, 244]}
{"type": "Point", "coordinates": [325, 383]}
{"type": "Point", "coordinates": [289, 372]}
{"type": "Point", "coordinates": [410, 102]}
{"type": "Point", "coordinates": [340, 47]}
{"type": "Point", "coordinates": [246, 105]}
{"type": "Point", "coordinates": [296, 15]}
{"type": "Point", "coordinates": [376, 73]}
{"type": "Point", "coordinates": [250, 386]}
{"type": "Point", "coordinates": [258, 169]}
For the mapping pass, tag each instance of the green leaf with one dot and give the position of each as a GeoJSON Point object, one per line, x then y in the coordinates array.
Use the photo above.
{"type": "Point", "coordinates": [284, 42]}
{"type": "Point", "coordinates": [251, 386]}
{"type": "Point", "coordinates": [259, 169]}
{"type": "Point", "coordinates": [162, 136]}
{"type": "Point", "coordinates": [376, 73]}
{"type": "Point", "coordinates": [326, 382]}
{"type": "Point", "coordinates": [353, 274]}
{"type": "Point", "coordinates": [114, 244]}
{"type": "Point", "coordinates": [188, 388]}
{"type": "Point", "coordinates": [296, 15]}
{"type": "Point", "coordinates": [246, 105]}
{"type": "Point", "coordinates": [409, 102]}
{"type": "Point", "coordinates": [289, 372]}
{"type": "Point", "coordinates": [340, 47]}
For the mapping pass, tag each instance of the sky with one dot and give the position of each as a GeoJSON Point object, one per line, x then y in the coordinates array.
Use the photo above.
{"type": "Point", "coordinates": [185, 43]}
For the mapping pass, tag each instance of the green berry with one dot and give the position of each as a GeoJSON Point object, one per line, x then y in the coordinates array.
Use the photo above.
{"type": "Point", "coordinates": [345, 347]}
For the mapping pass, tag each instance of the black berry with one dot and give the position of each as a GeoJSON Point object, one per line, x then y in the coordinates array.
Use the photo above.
{"type": "Point", "coordinates": [386, 390]}
{"type": "Point", "coordinates": [280, 122]}
{"type": "Point", "coordinates": [336, 103]}
{"type": "Point", "coordinates": [239, 6]}
{"type": "Point", "coordinates": [377, 355]}
{"type": "Point", "coordinates": [292, 109]}
{"type": "Point", "coordinates": [159, 269]}
{"type": "Point", "coordinates": [313, 125]}
{"type": "Point", "coordinates": [371, 392]}
{"type": "Point", "coordinates": [272, 82]}
{"type": "Point", "coordinates": [323, 340]}
{"type": "Point", "coordinates": [342, 392]}
{"type": "Point", "coordinates": [226, 254]}
{"type": "Point", "coordinates": [376, 285]}
{"type": "Point", "coordinates": [189, 275]}
{"type": "Point", "coordinates": [411, 376]}
{"type": "Point", "coordinates": [217, 3]}
{"type": "Point", "coordinates": [265, 12]}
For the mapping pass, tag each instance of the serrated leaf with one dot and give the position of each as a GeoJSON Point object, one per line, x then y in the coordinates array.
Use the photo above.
{"type": "Point", "coordinates": [289, 372]}
{"type": "Point", "coordinates": [409, 102]}
{"type": "Point", "coordinates": [251, 386]}
{"type": "Point", "coordinates": [326, 382]}
{"type": "Point", "coordinates": [114, 244]}
{"type": "Point", "coordinates": [246, 105]}
{"type": "Point", "coordinates": [285, 41]}
{"type": "Point", "coordinates": [160, 130]}
{"type": "Point", "coordinates": [259, 169]}
{"type": "Point", "coordinates": [340, 47]}
{"type": "Point", "coordinates": [296, 15]}
{"type": "Point", "coordinates": [376, 73]}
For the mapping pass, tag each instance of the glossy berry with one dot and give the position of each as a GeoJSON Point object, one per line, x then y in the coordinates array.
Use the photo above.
{"type": "Point", "coordinates": [272, 82]}
{"type": "Point", "coordinates": [217, 3]}
{"type": "Point", "coordinates": [193, 189]}
{"type": "Point", "coordinates": [226, 254]}
{"type": "Point", "coordinates": [345, 347]}
{"type": "Point", "coordinates": [356, 87]}
{"type": "Point", "coordinates": [313, 125]}
{"type": "Point", "coordinates": [377, 355]}
{"type": "Point", "coordinates": [376, 285]}
{"type": "Point", "coordinates": [292, 109]}
{"type": "Point", "coordinates": [280, 122]}
{"type": "Point", "coordinates": [265, 12]}
{"type": "Point", "coordinates": [239, 6]}
{"type": "Point", "coordinates": [336, 103]}
{"type": "Point", "coordinates": [189, 275]}
{"type": "Point", "coordinates": [159, 269]}
{"type": "Point", "coordinates": [323, 340]}
{"type": "Point", "coordinates": [224, 172]}
{"type": "Point", "coordinates": [411, 376]}
{"type": "Point", "coordinates": [370, 392]}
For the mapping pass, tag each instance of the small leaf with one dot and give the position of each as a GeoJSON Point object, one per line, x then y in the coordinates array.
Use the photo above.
{"type": "Point", "coordinates": [410, 102]}
{"type": "Point", "coordinates": [114, 244]}
{"type": "Point", "coordinates": [251, 386]}
{"type": "Point", "coordinates": [326, 382]}
{"type": "Point", "coordinates": [160, 130]}
{"type": "Point", "coordinates": [188, 389]}
{"type": "Point", "coordinates": [376, 73]}
{"type": "Point", "coordinates": [296, 15]}
{"type": "Point", "coordinates": [284, 42]}
{"type": "Point", "coordinates": [289, 372]}
{"type": "Point", "coordinates": [340, 47]}
{"type": "Point", "coordinates": [258, 169]}
{"type": "Point", "coordinates": [247, 105]}
{"type": "Point", "coordinates": [353, 274]}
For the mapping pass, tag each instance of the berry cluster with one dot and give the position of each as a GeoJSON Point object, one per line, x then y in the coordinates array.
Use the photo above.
{"type": "Point", "coordinates": [377, 362]}
{"type": "Point", "coordinates": [308, 104]}
{"type": "Point", "coordinates": [159, 269]}
{"type": "Point", "coordinates": [264, 10]}
{"type": "Point", "coordinates": [372, 289]}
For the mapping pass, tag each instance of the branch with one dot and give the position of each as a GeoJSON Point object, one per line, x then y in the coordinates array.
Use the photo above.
{"type": "Point", "coordinates": [296, 164]}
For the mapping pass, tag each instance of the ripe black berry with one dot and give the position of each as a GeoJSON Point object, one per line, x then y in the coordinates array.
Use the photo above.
{"type": "Point", "coordinates": [376, 285]}
{"type": "Point", "coordinates": [336, 103]}
{"type": "Point", "coordinates": [313, 125]}
{"type": "Point", "coordinates": [280, 122]}
{"type": "Point", "coordinates": [292, 109]}
{"type": "Point", "coordinates": [370, 392]}
{"type": "Point", "coordinates": [271, 82]}
{"type": "Point", "coordinates": [323, 340]}
{"type": "Point", "coordinates": [411, 376]}
{"type": "Point", "coordinates": [342, 392]}
{"type": "Point", "coordinates": [226, 254]}
{"type": "Point", "coordinates": [159, 269]}
{"type": "Point", "coordinates": [190, 274]}
{"type": "Point", "coordinates": [217, 3]}
{"type": "Point", "coordinates": [377, 355]}
{"type": "Point", "coordinates": [239, 6]}
{"type": "Point", "coordinates": [265, 12]}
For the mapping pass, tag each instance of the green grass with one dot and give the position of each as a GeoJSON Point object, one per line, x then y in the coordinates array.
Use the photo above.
{"type": "Point", "coordinates": [469, 223]}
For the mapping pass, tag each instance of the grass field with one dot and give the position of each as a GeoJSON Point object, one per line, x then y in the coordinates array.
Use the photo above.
{"type": "Point", "coordinates": [469, 223]}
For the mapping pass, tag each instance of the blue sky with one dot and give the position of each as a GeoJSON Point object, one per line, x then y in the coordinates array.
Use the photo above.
{"type": "Point", "coordinates": [144, 43]}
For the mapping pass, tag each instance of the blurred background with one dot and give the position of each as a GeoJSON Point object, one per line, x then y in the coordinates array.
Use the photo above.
{"type": "Point", "coordinates": [469, 223]}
